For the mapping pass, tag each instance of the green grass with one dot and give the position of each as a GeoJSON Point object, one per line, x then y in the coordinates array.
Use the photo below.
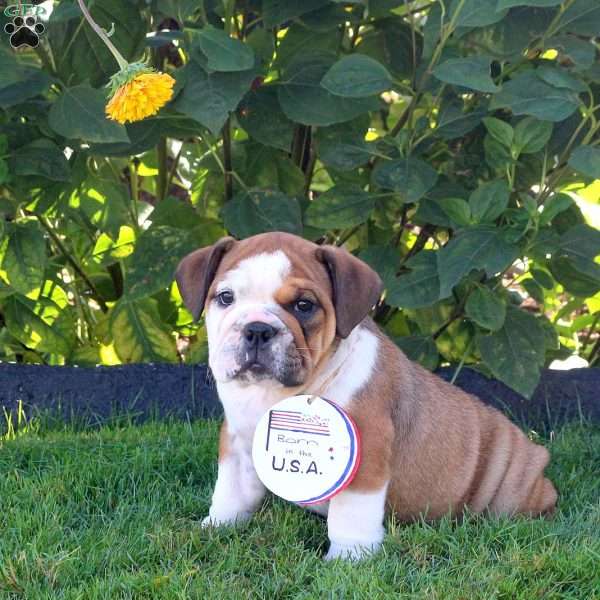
{"type": "Point", "coordinates": [113, 513]}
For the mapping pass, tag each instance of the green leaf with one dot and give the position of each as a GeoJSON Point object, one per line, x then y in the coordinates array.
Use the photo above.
{"type": "Point", "coordinates": [43, 158]}
{"type": "Point", "coordinates": [24, 256]}
{"type": "Point", "coordinates": [411, 177]}
{"type": "Point", "coordinates": [297, 39]}
{"type": "Point", "coordinates": [266, 168]}
{"type": "Point", "coordinates": [560, 78]}
{"type": "Point", "coordinates": [19, 81]}
{"type": "Point", "coordinates": [24, 323]}
{"type": "Point", "coordinates": [357, 76]}
{"type": "Point", "coordinates": [515, 354]}
{"type": "Point", "coordinates": [429, 210]}
{"type": "Point", "coordinates": [223, 52]}
{"type": "Point", "coordinates": [107, 251]}
{"type": "Point", "coordinates": [472, 72]}
{"type": "Point", "coordinates": [264, 210]}
{"type": "Point", "coordinates": [328, 17]}
{"type": "Point", "coordinates": [531, 135]}
{"type": "Point", "coordinates": [343, 150]}
{"type": "Point", "coordinates": [4, 175]}
{"type": "Point", "coordinates": [157, 253]}
{"type": "Point", "coordinates": [479, 247]}
{"type": "Point", "coordinates": [502, 4]}
{"type": "Point", "coordinates": [507, 39]}
{"type": "Point", "coordinates": [586, 160]}
{"type": "Point", "coordinates": [418, 288]}
{"type": "Point", "coordinates": [573, 263]}
{"type": "Point", "coordinates": [497, 155]}
{"type": "Point", "coordinates": [582, 282]}
{"type": "Point", "coordinates": [453, 122]}
{"type": "Point", "coordinates": [276, 12]}
{"type": "Point", "coordinates": [581, 241]}
{"type": "Point", "coordinates": [210, 97]}
{"type": "Point", "coordinates": [175, 212]}
{"type": "Point", "coordinates": [419, 348]}
{"type": "Point", "coordinates": [555, 205]}
{"type": "Point", "coordinates": [534, 289]}
{"type": "Point", "coordinates": [489, 201]}
{"type": "Point", "coordinates": [261, 116]}
{"type": "Point", "coordinates": [144, 135]}
{"type": "Point", "coordinates": [104, 203]}
{"type": "Point", "coordinates": [485, 308]}
{"type": "Point", "coordinates": [527, 94]}
{"type": "Point", "coordinates": [384, 260]}
{"type": "Point", "coordinates": [305, 101]}
{"type": "Point", "coordinates": [457, 209]}
{"type": "Point", "coordinates": [138, 333]}
{"type": "Point", "coordinates": [179, 214]}
{"type": "Point", "coordinates": [477, 13]}
{"type": "Point", "coordinates": [390, 41]}
{"type": "Point", "coordinates": [581, 17]}
{"type": "Point", "coordinates": [78, 113]}
{"type": "Point", "coordinates": [542, 277]}
{"type": "Point", "coordinates": [339, 207]}
{"type": "Point", "coordinates": [501, 131]}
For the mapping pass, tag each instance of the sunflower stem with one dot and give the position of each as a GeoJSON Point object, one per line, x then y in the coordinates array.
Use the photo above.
{"type": "Point", "coordinates": [71, 260]}
{"type": "Point", "coordinates": [135, 193]}
{"type": "Point", "coordinates": [102, 35]}
{"type": "Point", "coordinates": [163, 170]}
{"type": "Point", "coordinates": [227, 162]}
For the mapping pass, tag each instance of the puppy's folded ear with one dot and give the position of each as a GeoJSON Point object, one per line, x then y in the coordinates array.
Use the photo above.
{"type": "Point", "coordinates": [356, 287]}
{"type": "Point", "coordinates": [196, 272]}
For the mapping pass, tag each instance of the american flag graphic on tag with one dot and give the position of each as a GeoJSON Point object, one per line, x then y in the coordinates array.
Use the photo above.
{"type": "Point", "coordinates": [297, 422]}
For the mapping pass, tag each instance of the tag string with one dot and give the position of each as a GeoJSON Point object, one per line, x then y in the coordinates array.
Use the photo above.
{"type": "Point", "coordinates": [325, 384]}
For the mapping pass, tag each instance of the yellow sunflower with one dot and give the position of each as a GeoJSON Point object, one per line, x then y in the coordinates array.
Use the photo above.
{"type": "Point", "coordinates": [139, 96]}
{"type": "Point", "coordinates": [137, 91]}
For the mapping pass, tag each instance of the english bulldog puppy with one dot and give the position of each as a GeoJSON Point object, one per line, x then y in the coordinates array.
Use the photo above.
{"type": "Point", "coordinates": [285, 316]}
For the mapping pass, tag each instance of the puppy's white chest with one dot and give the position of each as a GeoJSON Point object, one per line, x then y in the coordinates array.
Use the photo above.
{"type": "Point", "coordinates": [244, 405]}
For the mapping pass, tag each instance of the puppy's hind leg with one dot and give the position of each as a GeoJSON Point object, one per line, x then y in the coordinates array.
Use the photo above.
{"type": "Point", "coordinates": [524, 489]}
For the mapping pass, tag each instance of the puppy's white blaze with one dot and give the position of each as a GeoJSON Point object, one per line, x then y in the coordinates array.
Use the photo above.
{"type": "Point", "coordinates": [355, 523]}
{"type": "Point", "coordinates": [351, 366]}
{"type": "Point", "coordinates": [257, 278]}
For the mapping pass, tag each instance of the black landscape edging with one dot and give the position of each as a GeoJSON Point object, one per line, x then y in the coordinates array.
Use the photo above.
{"type": "Point", "coordinates": [142, 391]}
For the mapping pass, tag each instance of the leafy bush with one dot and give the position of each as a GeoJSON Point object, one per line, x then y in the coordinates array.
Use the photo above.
{"type": "Point", "coordinates": [441, 142]}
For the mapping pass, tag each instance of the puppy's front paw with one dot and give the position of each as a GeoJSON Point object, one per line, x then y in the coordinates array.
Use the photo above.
{"type": "Point", "coordinates": [225, 520]}
{"type": "Point", "coordinates": [351, 551]}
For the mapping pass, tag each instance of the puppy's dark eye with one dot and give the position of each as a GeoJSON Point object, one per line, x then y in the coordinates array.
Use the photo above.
{"type": "Point", "coordinates": [304, 307]}
{"type": "Point", "coordinates": [225, 298]}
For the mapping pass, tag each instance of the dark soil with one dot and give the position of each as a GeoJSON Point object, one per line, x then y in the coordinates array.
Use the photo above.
{"type": "Point", "coordinates": [158, 390]}
{"type": "Point", "coordinates": [560, 397]}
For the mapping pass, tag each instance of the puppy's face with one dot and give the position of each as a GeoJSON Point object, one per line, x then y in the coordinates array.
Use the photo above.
{"type": "Point", "coordinates": [267, 319]}
{"type": "Point", "coordinates": [274, 304]}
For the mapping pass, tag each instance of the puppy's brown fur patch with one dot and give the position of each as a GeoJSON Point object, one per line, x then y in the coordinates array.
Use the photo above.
{"type": "Point", "coordinates": [442, 449]}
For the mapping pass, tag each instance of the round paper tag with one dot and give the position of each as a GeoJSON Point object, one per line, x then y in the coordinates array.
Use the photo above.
{"type": "Point", "coordinates": [306, 449]}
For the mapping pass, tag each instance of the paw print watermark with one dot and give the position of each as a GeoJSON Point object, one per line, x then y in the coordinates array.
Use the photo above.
{"type": "Point", "coordinates": [24, 29]}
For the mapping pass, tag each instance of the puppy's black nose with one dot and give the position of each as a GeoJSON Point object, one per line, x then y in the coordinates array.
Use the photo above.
{"type": "Point", "coordinates": [257, 334]}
